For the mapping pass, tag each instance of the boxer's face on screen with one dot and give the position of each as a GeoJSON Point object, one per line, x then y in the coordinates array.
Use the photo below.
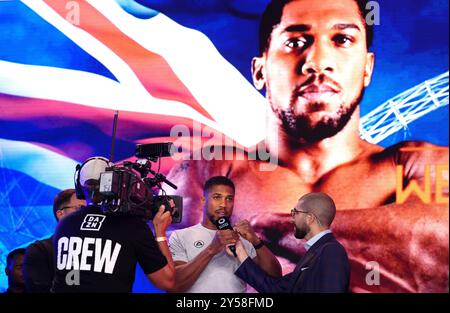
{"type": "Point", "coordinates": [316, 67]}
{"type": "Point", "coordinates": [218, 201]}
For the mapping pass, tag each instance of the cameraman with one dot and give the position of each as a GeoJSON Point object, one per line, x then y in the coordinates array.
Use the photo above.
{"type": "Point", "coordinates": [97, 252]}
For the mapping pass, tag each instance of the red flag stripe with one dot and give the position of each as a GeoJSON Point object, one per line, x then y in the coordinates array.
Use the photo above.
{"type": "Point", "coordinates": [152, 69]}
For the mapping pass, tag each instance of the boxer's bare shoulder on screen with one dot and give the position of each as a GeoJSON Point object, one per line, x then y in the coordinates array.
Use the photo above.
{"type": "Point", "coordinates": [367, 180]}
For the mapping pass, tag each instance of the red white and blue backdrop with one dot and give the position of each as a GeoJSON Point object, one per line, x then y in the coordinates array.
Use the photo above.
{"type": "Point", "coordinates": [66, 66]}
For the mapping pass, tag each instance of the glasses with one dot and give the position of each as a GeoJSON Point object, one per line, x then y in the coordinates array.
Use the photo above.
{"type": "Point", "coordinates": [295, 211]}
{"type": "Point", "coordinates": [76, 207]}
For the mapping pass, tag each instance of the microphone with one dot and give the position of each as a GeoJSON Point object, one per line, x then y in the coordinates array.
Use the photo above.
{"type": "Point", "coordinates": [223, 223]}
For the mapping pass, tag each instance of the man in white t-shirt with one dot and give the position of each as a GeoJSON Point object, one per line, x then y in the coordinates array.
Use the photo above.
{"type": "Point", "coordinates": [201, 262]}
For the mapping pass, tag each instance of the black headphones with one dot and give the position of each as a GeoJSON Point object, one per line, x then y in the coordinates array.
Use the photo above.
{"type": "Point", "coordinates": [78, 188]}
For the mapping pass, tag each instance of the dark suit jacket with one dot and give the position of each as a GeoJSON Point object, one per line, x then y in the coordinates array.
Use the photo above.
{"type": "Point", "coordinates": [38, 266]}
{"type": "Point", "coordinates": [324, 268]}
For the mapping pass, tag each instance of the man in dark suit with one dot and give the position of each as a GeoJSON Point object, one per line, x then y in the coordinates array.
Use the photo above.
{"type": "Point", "coordinates": [324, 267]}
{"type": "Point", "coordinates": [39, 264]}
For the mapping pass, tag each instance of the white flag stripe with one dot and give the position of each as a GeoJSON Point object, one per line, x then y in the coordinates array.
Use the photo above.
{"type": "Point", "coordinates": [33, 161]}
{"type": "Point", "coordinates": [70, 86]}
{"type": "Point", "coordinates": [85, 88]}
{"type": "Point", "coordinates": [90, 44]}
{"type": "Point", "coordinates": [229, 98]}
{"type": "Point", "coordinates": [213, 81]}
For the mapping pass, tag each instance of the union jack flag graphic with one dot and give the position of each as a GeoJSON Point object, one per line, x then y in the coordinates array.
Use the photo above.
{"type": "Point", "coordinates": [67, 65]}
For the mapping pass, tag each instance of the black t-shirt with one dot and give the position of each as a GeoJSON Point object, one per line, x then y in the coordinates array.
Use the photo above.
{"type": "Point", "coordinates": [103, 250]}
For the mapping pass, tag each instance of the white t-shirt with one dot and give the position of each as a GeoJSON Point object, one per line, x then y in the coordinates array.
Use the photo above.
{"type": "Point", "coordinates": [218, 276]}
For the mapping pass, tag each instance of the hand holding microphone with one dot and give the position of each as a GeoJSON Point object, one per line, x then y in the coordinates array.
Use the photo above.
{"type": "Point", "coordinates": [226, 234]}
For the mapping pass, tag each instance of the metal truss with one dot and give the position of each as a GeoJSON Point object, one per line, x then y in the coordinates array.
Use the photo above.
{"type": "Point", "coordinates": [396, 113]}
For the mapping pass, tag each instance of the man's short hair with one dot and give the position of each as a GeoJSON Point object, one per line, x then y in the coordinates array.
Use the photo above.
{"type": "Point", "coordinates": [272, 17]}
{"type": "Point", "coordinates": [61, 199]}
{"type": "Point", "coordinates": [218, 180]}
{"type": "Point", "coordinates": [321, 205]}
{"type": "Point", "coordinates": [12, 254]}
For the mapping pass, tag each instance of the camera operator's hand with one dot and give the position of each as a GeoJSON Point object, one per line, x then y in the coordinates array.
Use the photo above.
{"type": "Point", "coordinates": [222, 239]}
{"type": "Point", "coordinates": [246, 231]}
{"type": "Point", "coordinates": [161, 221]}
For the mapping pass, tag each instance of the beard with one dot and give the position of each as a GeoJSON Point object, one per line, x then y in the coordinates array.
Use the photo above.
{"type": "Point", "coordinates": [302, 231]}
{"type": "Point", "coordinates": [300, 127]}
{"type": "Point", "coordinates": [214, 217]}
{"type": "Point", "coordinates": [211, 217]}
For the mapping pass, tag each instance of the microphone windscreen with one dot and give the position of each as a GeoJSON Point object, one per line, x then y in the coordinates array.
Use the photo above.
{"type": "Point", "coordinates": [223, 223]}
